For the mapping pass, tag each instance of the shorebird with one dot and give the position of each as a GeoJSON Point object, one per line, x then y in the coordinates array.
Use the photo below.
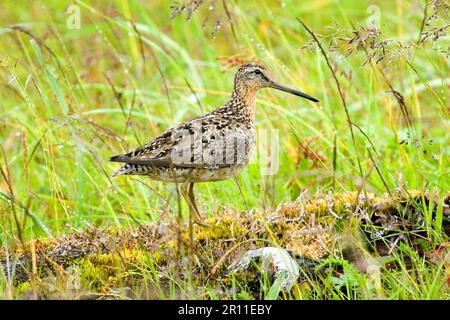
{"type": "Point", "coordinates": [213, 147]}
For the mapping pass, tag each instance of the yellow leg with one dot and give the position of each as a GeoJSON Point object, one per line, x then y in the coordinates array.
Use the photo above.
{"type": "Point", "coordinates": [187, 190]}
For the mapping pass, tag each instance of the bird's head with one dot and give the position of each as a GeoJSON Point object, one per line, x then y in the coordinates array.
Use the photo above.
{"type": "Point", "coordinates": [251, 77]}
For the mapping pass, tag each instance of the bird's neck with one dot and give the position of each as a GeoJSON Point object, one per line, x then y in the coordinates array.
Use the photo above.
{"type": "Point", "coordinates": [244, 100]}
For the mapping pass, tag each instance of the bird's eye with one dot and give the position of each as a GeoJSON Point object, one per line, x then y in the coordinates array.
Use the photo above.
{"type": "Point", "coordinates": [257, 71]}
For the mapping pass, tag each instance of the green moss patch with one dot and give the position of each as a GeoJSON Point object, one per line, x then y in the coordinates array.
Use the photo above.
{"type": "Point", "coordinates": [160, 261]}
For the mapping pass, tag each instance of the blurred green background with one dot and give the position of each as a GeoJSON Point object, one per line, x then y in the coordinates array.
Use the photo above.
{"type": "Point", "coordinates": [83, 81]}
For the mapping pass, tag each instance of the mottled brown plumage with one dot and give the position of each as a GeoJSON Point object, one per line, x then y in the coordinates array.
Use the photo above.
{"type": "Point", "coordinates": [212, 147]}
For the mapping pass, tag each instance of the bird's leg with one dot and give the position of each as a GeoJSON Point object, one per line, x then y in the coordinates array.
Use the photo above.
{"type": "Point", "coordinates": [187, 190]}
{"type": "Point", "coordinates": [185, 193]}
{"type": "Point", "coordinates": [191, 195]}
{"type": "Point", "coordinates": [197, 217]}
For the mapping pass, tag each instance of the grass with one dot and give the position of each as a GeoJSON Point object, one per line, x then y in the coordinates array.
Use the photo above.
{"type": "Point", "coordinates": [71, 98]}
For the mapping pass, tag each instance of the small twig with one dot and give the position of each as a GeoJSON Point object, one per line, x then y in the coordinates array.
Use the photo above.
{"type": "Point", "coordinates": [132, 218]}
{"type": "Point", "coordinates": [240, 191]}
{"type": "Point", "coordinates": [27, 177]}
{"type": "Point", "coordinates": [379, 173]}
{"type": "Point", "coordinates": [422, 26]}
{"type": "Point", "coordinates": [166, 88]}
{"type": "Point", "coordinates": [37, 145]}
{"type": "Point", "coordinates": [394, 244]}
{"type": "Point", "coordinates": [7, 177]}
{"type": "Point", "coordinates": [141, 44]}
{"type": "Point", "coordinates": [400, 100]}
{"type": "Point", "coordinates": [334, 162]}
{"type": "Point", "coordinates": [230, 20]}
{"type": "Point", "coordinates": [34, 37]}
{"type": "Point", "coordinates": [127, 123]}
{"type": "Point", "coordinates": [153, 190]}
{"type": "Point", "coordinates": [340, 90]}
{"type": "Point", "coordinates": [116, 94]}
{"type": "Point", "coordinates": [376, 153]}
{"type": "Point", "coordinates": [195, 94]}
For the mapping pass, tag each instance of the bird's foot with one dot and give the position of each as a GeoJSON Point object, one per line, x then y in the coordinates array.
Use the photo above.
{"type": "Point", "coordinates": [200, 223]}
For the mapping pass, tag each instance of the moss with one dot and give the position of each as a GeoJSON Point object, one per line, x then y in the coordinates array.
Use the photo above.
{"type": "Point", "coordinates": [102, 271]}
{"type": "Point", "coordinates": [311, 245]}
{"type": "Point", "coordinates": [309, 227]}
{"type": "Point", "coordinates": [22, 289]}
{"type": "Point", "coordinates": [223, 227]}
{"type": "Point", "coordinates": [243, 280]}
{"type": "Point", "coordinates": [98, 272]}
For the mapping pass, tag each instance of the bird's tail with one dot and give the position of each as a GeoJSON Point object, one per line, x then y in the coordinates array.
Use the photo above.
{"type": "Point", "coordinates": [126, 169]}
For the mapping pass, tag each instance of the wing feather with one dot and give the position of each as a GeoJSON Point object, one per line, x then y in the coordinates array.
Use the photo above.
{"type": "Point", "coordinates": [167, 149]}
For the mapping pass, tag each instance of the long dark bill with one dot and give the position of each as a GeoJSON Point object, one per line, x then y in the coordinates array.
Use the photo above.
{"type": "Point", "coordinates": [292, 91]}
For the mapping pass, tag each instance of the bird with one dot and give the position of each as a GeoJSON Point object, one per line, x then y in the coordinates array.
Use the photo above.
{"type": "Point", "coordinates": [213, 147]}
